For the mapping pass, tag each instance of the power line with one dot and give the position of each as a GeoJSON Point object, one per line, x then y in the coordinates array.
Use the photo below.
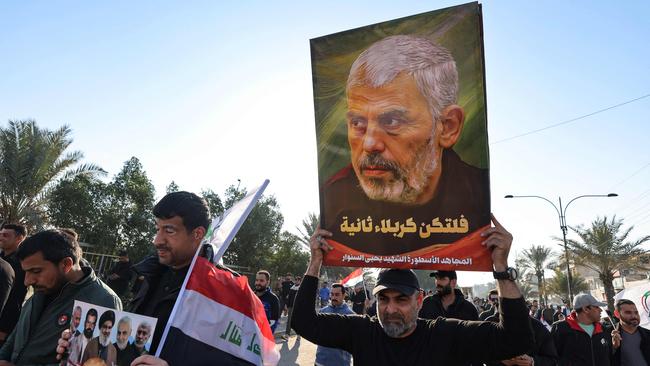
{"type": "Point", "coordinates": [629, 177]}
{"type": "Point", "coordinates": [569, 121]}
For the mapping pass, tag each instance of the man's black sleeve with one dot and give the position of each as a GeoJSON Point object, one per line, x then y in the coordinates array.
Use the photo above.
{"type": "Point", "coordinates": [545, 353]}
{"type": "Point", "coordinates": [488, 341]}
{"type": "Point", "coordinates": [426, 312]}
{"type": "Point", "coordinates": [329, 330]}
{"type": "Point", "coordinates": [124, 272]}
{"type": "Point", "coordinates": [275, 308]}
{"type": "Point", "coordinates": [7, 277]}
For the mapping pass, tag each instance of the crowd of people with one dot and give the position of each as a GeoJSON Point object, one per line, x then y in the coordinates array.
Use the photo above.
{"type": "Point", "coordinates": [399, 323]}
{"type": "Point", "coordinates": [395, 323]}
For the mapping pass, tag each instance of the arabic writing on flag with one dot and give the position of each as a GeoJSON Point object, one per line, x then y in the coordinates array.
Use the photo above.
{"type": "Point", "coordinates": [221, 317]}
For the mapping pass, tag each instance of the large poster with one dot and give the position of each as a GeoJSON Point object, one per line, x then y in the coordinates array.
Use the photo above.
{"type": "Point", "coordinates": [401, 128]}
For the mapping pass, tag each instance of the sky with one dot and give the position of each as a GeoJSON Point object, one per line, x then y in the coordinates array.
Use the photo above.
{"type": "Point", "coordinates": [205, 93]}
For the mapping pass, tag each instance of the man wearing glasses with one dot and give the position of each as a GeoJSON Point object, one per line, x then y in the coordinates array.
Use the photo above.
{"type": "Point", "coordinates": [580, 338]}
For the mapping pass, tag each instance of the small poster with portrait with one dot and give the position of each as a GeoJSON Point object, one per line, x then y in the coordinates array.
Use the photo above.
{"type": "Point", "coordinates": [401, 127]}
{"type": "Point", "coordinates": [103, 336]}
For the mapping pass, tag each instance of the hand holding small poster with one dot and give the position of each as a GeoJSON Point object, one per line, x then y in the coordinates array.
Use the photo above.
{"type": "Point", "coordinates": [105, 336]}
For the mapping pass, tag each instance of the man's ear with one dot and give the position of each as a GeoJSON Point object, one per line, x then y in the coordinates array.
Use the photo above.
{"type": "Point", "coordinates": [452, 283]}
{"type": "Point", "coordinates": [65, 265]}
{"type": "Point", "coordinates": [452, 119]}
{"type": "Point", "coordinates": [198, 233]}
{"type": "Point", "coordinates": [420, 299]}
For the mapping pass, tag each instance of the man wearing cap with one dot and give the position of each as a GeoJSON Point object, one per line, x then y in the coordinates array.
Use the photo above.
{"type": "Point", "coordinates": [396, 336]}
{"type": "Point", "coordinates": [580, 339]}
{"type": "Point", "coordinates": [448, 301]}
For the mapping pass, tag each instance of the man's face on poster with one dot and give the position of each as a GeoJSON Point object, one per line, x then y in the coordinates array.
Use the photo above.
{"type": "Point", "coordinates": [142, 335]}
{"type": "Point", "coordinates": [393, 144]}
{"type": "Point", "coordinates": [123, 332]}
{"type": "Point", "coordinates": [89, 325]}
{"type": "Point", "coordinates": [76, 318]}
{"type": "Point", "coordinates": [105, 332]}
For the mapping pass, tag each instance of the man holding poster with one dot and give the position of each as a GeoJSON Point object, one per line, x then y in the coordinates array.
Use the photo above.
{"type": "Point", "coordinates": [405, 190]}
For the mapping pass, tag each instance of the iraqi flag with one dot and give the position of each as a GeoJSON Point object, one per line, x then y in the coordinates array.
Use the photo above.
{"type": "Point", "coordinates": [217, 319]}
{"type": "Point", "coordinates": [353, 278]}
{"type": "Point", "coordinates": [640, 295]}
{"type": "Point", "coordinates": [221, 322]}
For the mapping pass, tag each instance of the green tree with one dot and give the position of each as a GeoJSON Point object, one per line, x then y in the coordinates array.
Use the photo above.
{"type": "Point", "coordinates": [214, 202]}
{"type": "Point", "coordinates": [604, 247]}
{"type": "Point", "coordinates": [81, 203]}
{"type": "Point", "coordinates": [558, 284]}
{"type": "Point", "coordinates": [253, 245]}
{"type": "Point", "coordinates": [130, 212]}
{"type": "Point", "coordinates": [288, 256]}
{"type": "Point", "coordinates": [172, 187]}
{"type": "Point", "coordinates": [32, 160]}
{"type": "Point", "coordinates": [536, 259]}
{"type": "Point", "coordinates": [309, 225]}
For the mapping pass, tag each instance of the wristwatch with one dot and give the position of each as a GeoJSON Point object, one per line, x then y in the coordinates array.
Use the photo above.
{"type": "Point", "coordinates": [509, 274]}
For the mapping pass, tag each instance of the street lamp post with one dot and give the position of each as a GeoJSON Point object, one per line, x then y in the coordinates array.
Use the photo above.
{"type": "Point", "coordinates": [561, 212]}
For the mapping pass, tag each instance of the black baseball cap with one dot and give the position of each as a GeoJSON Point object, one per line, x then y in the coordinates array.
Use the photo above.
{"type": "Point", "coordinates": [402, 280]}
{"type": "Point", "coordinates": [450, 274]}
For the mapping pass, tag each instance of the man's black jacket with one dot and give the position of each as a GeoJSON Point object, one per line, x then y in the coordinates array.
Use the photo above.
{"type": "Point", "coordinates": [459, 309]}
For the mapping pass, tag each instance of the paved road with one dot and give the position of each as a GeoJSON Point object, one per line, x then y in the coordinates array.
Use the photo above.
{"type": "Point", "coordinates": [296, 351]}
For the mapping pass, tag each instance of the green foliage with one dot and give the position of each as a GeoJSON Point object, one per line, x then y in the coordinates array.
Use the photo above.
{"type": "Point", "coordinates": [253, 245]}
{"type": "Point", "coordinates": [172, 187]}
{"type": "Point", "coordinates": [536, 259]}
{"type": "Point", "coordinates": [112, 216]}
{"type": "Point", "coordinates": [604, 247]}
{"type": "Point", "coordinates": [309, 225]}
{"type": "Point", "coordinates": [287, 256]}
{"type": "Point", "coordinates": [32, 160]}
{"type": "Point", "coordinates": [558, 284]}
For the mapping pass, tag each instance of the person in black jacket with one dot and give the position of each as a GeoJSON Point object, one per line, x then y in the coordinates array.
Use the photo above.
{"type": "Point", "coordinates": [544, 352]}
{"type": "Point", "coordinates": [580, 339]}
{"type": "Point", "coordinates": [396, 336]}
{"type": "Point", "coordinates": [631, 342]}
{"type": "Point", "coordinates": [493, 303]}
{"type": "Point", "coordinates": [11, 236]}
{"type": "Point", "coordinates": [448, 301]}
{"type": "Point", "coordinates": [120, 274]}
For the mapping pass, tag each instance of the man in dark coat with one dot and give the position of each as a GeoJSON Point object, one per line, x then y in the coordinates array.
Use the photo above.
{"type": "Point", "coordinates": [448, 301]}
{"type": "Point", "coordinates": [120, 274]}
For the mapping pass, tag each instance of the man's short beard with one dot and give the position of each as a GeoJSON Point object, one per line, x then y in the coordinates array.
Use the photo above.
{"type": "Point", "coordinates": [444, 290]}
{"type": "Point", "coordinates": [88, 333]}
{"type": "Point", "coordinates": [104, 341]}
{"type": "Point", "coordinates": [397, 329]}
{"type": "Point", "coordinates": [121, 345]}
{"type": "Point", "coordinates": [407, 183]}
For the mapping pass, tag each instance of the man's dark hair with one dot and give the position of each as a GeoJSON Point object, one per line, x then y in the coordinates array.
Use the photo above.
{"type": "Point", "coordinates": [108, 315]}
{"type": "Point", "coordinates": [622, 302]}
{"type": "Point", "coordinates": [265, 273]}
{"type": "Point", "coordinates": [71, 232]}
{"type": "Point", "coordinates": [53, 244]}
{"type": "Point", "coordinates": [191, 208]}
{"type": "Point", "coordinates": [91, 312]}
{"type": "Point", "coordinates": [493, 292]}
{"type": "Point", "coordinates": [17, 228]}
{"type": "Point", "coordinates": [580, 310]}
{"type": "Point", "coordinates": [338, 285]}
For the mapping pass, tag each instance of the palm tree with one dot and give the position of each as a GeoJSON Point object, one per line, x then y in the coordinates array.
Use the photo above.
{"type": "Point", "coordinates": [537, 258]}
{"type": "Point", "coordinates": [32, 160]}
{"type": "Point", "coordinates": [558, 284]}
{"type": "Point", "coordinates": [604, 248]}
{"type": "Point", "coordinates": [309, 225]}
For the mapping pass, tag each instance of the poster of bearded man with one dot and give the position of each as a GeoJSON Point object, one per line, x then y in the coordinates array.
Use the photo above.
{"type": "Point", "coordinates": [401, 128]}
{"type": "Point", "coordinates": [115, 337]}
